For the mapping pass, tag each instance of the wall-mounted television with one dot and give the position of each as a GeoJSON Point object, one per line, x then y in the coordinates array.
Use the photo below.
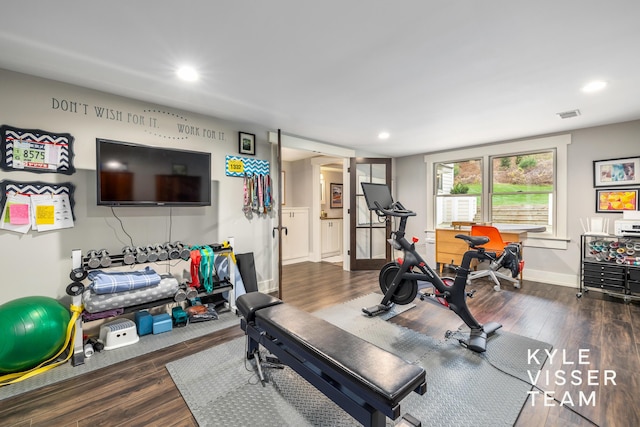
{"type": "Point", "coordinates": [139, 175]}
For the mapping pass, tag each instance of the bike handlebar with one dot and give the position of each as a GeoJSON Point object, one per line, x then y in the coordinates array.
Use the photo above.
{"type": "Point", "coordinates": [396, 210]}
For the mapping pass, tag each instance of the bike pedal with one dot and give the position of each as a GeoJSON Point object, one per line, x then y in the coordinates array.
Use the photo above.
{"type": "Point", "coordinates": [424, 295]}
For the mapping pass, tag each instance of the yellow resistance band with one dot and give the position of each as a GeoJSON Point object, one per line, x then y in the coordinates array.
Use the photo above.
{"type": "Point", "coordinates": [19, 376]}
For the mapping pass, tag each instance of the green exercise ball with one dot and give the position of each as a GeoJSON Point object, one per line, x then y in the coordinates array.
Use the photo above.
{"type": "Point", "coordinates": [33, 330]}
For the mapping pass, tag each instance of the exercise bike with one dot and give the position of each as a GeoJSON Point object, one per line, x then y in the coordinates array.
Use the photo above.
{"type": "Point", "coordinates": [399, 279]}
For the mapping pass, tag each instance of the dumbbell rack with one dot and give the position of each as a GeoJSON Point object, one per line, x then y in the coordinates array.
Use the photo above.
{"type": "Point", "coordinates": [80, 269]}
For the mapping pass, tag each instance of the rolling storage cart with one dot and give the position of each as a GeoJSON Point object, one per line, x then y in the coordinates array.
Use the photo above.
{"type": "Point", "coordinates": [611, 265]}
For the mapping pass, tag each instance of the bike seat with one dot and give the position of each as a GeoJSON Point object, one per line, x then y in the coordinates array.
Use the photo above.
{"type": "Point", "coordinates": [473, 240]}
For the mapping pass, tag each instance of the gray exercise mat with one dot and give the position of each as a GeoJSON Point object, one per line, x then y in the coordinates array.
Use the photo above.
{"type": "Point", "coordinates": [463, 387]}
{"type": "Point", "coordinates": [356, 318]}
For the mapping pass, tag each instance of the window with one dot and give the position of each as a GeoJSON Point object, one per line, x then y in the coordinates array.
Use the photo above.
{"type": "Point", "coordinates": [534, 182]}
{"type": "Point", "coordinates": [522, 189]}
{"type": "Point", "coordinates": [458, 192]}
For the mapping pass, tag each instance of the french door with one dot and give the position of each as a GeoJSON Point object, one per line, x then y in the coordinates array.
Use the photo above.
{"type": "Point", "coordinates": [369, 249]}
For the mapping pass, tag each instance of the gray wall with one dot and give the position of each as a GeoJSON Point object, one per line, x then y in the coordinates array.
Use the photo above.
{"type": "Point", "coordinates": [39, 263]}
{"type": "Point", "coordinates": [589, 144]}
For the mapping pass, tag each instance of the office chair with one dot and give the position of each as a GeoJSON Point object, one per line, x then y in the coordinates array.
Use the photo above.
{"type": "Point", "coordinates": [507, 256]}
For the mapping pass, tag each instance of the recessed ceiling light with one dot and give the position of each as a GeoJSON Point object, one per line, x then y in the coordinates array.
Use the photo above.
{"type": "Point", "coordinates": [187, 73]}
{"type": "Point", "coordinates": [384, 135]}
{"type": "Point", "coordinates": [594, 86]}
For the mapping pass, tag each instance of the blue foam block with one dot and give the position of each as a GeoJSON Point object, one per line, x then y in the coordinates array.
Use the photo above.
{"type": "Point", "coordinates": [144, 322]}
{"type": "Point", "coordinates": [162, 323]}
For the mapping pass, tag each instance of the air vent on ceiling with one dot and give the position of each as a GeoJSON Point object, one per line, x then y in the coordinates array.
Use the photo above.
{"type": "Point", "coordinates": [569, 114]}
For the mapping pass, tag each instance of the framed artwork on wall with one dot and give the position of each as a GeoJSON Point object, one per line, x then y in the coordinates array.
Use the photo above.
{"type": "Point", "coordinates": [247, 143]}
{"type": "Point", "coordinates": [616, 172]}
{"type": "Point", "coordinates": [616, 200]}
{"type": "Point", "coordinates": [335, 190]}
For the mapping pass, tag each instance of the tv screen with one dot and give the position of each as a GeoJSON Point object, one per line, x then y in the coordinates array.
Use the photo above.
{"type": "Point", "coordinates": [139, 175]}
{"type": "Point", "coordinates": [377, 193]}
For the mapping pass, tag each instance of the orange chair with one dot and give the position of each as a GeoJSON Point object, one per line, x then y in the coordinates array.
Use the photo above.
{"type": "Point", "coordinates": [497, 245]}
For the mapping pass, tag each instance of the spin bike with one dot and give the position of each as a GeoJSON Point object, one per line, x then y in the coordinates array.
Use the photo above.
{"type": "Point", "coordinates": [399, 280]}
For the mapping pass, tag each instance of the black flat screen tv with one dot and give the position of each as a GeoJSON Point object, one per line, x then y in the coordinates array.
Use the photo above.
{"type": "Point", "coordinates": [139, 175]}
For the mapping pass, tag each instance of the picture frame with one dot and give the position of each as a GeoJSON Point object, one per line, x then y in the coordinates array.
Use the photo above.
{"type": "Point", "coordinates": [37, 187]}
{"type": "Point", "coordinates": [335, 192]}
{"type": "Point", "coordinates": [616, 200]}
{"type": "Point", "coordinates": [36, 150]}
{"type": "Point", "coordinates": [247, 143]}
{"type": "Point", "coordinates": [616, 172]}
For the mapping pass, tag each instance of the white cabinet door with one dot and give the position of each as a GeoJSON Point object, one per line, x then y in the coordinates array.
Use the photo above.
{"type": "Point", "coordinates": [331, 237]}
{"type": "Point", "coordinates": [295, 243]}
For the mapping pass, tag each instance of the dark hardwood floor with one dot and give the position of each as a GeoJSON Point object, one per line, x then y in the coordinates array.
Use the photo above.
{"type": "Point", "coordinates": [594, 333]}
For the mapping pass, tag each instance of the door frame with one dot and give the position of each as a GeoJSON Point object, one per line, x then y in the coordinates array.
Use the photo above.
{"type": "Point", "coordinates": [279, 140]}
{"type": "Point", "coordinates": [370, 263]}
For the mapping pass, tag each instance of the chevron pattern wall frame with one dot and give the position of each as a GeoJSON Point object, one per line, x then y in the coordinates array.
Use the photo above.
{"type": "Point", "coordinates": [36, 150]}
{"type": "Point", "coordinates": [239, 166]}
{"type": "Point", "coordinates": [36, 187]}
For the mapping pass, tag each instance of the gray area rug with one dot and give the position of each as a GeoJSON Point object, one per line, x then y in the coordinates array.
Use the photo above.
{"type": "Point", "coordinates": [463, 388]}
{"type": "Point", "coordinates": [147, 344]}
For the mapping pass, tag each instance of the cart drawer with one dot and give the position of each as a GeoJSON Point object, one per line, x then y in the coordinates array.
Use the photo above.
{"type": "Point", "coordinates": [634, 287]}
{"type": "Point", "coordinates": [604, 270]}
{"type": "Point", "coordinates": [634, 274]}
{"type": "Point", "coordinates": [604, 283]}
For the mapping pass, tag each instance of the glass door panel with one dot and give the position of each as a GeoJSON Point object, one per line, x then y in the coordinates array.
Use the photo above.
{"type": "Point", "coordinates": [369, 248]}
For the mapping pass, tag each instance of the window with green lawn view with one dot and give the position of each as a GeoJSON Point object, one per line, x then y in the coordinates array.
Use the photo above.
{"type": "Point", "coordinates": [520, 190]}
{"type": "Point", "coordinates": [458, 192]}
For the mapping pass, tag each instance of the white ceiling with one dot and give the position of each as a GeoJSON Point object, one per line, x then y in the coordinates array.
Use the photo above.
{"type": "Point", "coordinates": [435, 74]}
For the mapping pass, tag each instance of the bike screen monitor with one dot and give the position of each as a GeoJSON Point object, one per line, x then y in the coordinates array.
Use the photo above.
{"type": "Point", "coordinates": [377, 193]}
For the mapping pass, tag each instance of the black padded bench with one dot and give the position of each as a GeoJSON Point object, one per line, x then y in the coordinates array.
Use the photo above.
{"type": "Point", "coordinates": [365, 380]}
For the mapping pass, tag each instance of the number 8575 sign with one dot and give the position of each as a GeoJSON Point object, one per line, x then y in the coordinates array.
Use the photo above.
{"type": "Point", "coordinates": [35, 155]}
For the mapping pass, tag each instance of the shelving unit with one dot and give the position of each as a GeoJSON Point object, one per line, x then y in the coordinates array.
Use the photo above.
{"type": "Point", "coordinates": [81, 264]}
{"type": "Point", "coordinates": [611, 265]}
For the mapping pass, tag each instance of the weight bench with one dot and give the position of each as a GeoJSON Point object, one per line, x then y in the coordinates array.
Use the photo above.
{"type": "Point", "coordinates": [365, 380]}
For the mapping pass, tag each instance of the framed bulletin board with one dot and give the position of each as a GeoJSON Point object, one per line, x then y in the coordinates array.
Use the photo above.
{"type": "Point", "coordinates": [35, 150]}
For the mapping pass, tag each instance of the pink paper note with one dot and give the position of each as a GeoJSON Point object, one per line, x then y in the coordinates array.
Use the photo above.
{"type": "Point", "coordinates": [19, 214]}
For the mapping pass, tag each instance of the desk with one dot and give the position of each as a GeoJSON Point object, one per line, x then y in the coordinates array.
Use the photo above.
{"type": "Point", "coordinates": [450, 250]}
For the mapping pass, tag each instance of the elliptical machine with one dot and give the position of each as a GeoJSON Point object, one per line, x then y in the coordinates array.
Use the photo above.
{"type": "Point", "coordinates": [399, 279]}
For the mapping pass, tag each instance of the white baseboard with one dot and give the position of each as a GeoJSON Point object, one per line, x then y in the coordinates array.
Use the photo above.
{"type": "Point", "coordinates": [267, 286]}
{"type": "Point", "coordinates": [295, 260]}
{"type": "Point", "coordinates": [551, 278]}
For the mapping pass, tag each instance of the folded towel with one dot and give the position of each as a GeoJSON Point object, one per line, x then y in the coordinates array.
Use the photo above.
{"type": "Point", "coordinates": [108, 283]}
